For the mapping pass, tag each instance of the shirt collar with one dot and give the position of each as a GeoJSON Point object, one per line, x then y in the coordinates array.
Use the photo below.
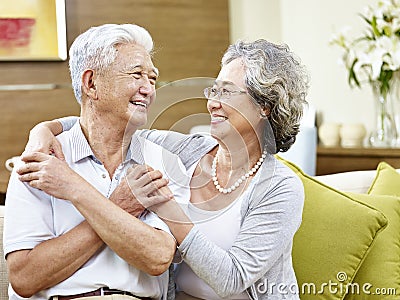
{"type": "Point", "coordinates": [82, 148]}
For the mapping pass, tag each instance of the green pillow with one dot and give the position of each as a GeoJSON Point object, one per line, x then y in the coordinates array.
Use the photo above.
{"type": "Point", "coordinates": [335, 236]}
{"type": "Point", "coordinates": [386, 182]}
{"type": "Point", "coordinates": [379, 274]}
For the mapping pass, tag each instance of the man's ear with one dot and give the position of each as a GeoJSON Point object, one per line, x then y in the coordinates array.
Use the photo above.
{"type": "Point", "coordinates": [88, 84]}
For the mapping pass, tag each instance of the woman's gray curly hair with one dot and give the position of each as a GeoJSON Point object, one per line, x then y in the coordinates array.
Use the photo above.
{"type": "Point", "coordinates": [278, 82]}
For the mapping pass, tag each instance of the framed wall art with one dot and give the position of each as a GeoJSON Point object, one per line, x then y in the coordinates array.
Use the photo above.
{"type": "Point", "coordinates": [32, 30]}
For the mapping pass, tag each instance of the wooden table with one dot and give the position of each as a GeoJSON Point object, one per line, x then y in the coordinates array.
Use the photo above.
{"type": "Point", "coordinates": [337, 159]}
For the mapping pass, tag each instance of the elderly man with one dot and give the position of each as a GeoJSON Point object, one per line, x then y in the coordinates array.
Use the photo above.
{"type": "Point", "coordinates": [83, 247]}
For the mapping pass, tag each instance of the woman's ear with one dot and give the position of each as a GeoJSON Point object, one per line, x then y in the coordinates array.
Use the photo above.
{"type": "Point", "coordinates": [265, 112]}
{"type": "Point", "coordinates": [88, 84]}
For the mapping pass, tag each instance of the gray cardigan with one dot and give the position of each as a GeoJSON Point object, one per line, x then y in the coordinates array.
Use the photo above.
{"type": "Point", "coordinates": [260, 260]}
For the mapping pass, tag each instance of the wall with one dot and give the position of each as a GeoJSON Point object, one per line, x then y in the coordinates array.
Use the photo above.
{"type": "Point", "coordinates": [190, 37]}
{"type": "Point", "coordinates": [306, 26]}
{"type": "Point", "coordinates": [253, 19]}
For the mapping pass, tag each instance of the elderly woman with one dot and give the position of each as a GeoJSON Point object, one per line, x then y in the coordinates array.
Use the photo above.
{"type": "Point", "coordinates": [236, 229]}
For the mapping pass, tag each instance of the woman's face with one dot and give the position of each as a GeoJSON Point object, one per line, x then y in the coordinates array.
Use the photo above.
{"type": "Point", "coordinates": [234, 116]}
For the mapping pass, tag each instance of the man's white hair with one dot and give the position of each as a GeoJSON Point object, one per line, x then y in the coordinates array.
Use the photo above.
{"type": "Point", "coordinates": [95, 49]}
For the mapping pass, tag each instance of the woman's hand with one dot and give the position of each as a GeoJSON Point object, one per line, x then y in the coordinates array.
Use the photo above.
{"type": "Point", "coordinates": [42, 139]}
{"type": "Point", "coordinates": [147, 185]}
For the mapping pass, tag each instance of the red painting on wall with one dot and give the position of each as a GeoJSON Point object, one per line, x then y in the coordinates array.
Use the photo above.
{"type": "Point", "coordinates": [32, 30]}
{"type": "Point", "coordinates": [15, 32]}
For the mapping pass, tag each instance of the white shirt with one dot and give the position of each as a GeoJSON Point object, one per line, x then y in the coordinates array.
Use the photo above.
{"type": "Point", "coordinates": [33, 216]}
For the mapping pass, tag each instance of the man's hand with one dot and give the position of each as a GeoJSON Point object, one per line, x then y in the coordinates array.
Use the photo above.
{"type": "Point", "coordinates": [51, 175]}
{"type": "Point", "coordinates": [142, 186]}
{"type": "Point", "coordinates": [124, 198]}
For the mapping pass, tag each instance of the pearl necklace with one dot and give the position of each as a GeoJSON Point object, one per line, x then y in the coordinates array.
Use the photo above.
{"type": "Point", "coordinates": [240, 180]}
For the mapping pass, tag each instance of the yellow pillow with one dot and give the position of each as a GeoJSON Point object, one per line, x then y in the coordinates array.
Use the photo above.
{"type": "Point", "coordinates": [386, 182]}
{"type": "Point", "coordinates": [335, 236]}
{"type": "Point", "coordinates": [379, 274]}
{"type": "Point", "coordinates": [381, 268]}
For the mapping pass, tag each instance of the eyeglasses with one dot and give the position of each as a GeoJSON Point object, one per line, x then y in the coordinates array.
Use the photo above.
{"type": "Point", "coordinates": [221, 93]}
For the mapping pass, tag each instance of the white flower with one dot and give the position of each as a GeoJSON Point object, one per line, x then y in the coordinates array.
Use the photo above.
{"type": "Point", "coordinates": [374, 55]}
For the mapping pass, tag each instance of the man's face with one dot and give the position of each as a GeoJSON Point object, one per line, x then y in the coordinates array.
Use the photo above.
{"type": "Point", "coordinates": [126, 88]}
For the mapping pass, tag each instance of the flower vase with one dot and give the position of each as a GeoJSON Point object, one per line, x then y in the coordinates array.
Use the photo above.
{"type": "Point", "coordinates": [384, 135]}
{"type": "Point", "coordinates": [395, 98]}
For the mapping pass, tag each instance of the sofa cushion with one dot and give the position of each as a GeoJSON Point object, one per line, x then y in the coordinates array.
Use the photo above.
{"type": "Point", "coordinates": [386, 182]}
{"type": "Point", "coordinates": [380, 270]}
{"type": "Point", "coordinates": [3, 267]}
{"type": "Point", "coordinates": [335, 236]}
{"type": "Point", "coordinates": [353, 181]}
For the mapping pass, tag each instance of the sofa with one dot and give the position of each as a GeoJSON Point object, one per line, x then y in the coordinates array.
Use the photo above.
{"type": "Point", "coordinates": [348, 245]}
{"type": "Point", "coordinates": [3, 268]}
{"type": "Point", "coordinates": [349, 237]}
